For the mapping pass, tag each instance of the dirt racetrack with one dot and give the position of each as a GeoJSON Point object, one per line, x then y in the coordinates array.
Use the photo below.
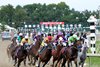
{"type": "Point", "coordinates": [3, 55]}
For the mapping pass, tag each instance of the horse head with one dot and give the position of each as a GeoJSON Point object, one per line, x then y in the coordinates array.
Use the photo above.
{"type": "Point", "coordinates": [77, 43]}
{"type": "Point", "coordinates": [39, 38]}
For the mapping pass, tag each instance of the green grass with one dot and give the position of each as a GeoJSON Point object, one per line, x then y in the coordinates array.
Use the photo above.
{"type": "Point", "coordinates": [94, 61]}
{"type": "Point", "coordinates": [98, 46]}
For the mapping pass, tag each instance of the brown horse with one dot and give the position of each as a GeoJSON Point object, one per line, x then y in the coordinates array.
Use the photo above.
{"type": "Point", "coordinates": [55, 52]}
{"type": "Point", "coordinates": [21, 55]}
{"type": "Point", "coordinates": [69, 54]}
{"type": "Point", "coordinates": [11, 48]}
{"type": "Point", "coordinates": [33, 52]}
{"type": "Point", "coordinates": [45, 56]}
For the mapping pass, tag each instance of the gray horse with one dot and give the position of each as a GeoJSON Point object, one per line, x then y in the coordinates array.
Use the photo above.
{"type": "Point", "coordinates": [82, 54]}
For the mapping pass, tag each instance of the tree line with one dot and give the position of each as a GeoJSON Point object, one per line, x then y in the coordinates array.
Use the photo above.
{"type": "Point", "coordinates": [35, 13]}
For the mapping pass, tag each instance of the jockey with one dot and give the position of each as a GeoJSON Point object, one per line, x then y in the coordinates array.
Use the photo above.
{"type": "Point", "coordinates": [35, 37]}
{"type": "Point", "coordinates": [46, 42]}
{"type": "Point", "coordinates": [19, 38]}
{"type": "Point", "coordinates": [25, 42]}
{"type": "Point", "coordinates": [60, 37]}
{"type": "Point", "coordinates": [72, 39]}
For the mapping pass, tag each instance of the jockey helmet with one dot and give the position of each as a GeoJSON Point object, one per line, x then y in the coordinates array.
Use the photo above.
{"type": "Point", "coordinates": [46, 40]}
{"type": "Point", "coordinates": [60, 33]}
{"type": "Point", "coordinates": [26, 37]}
{"type": "Point", "coordinates": [21, 34]}
{"type": "Point", "coordinates": [38, 33]}
{"type": "Point", "coordinates": [75, 36]}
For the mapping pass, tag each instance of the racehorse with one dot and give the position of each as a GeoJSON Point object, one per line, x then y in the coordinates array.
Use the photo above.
{"type": "Point", "coordinates": [14, 49]}
{"type": "Point", "coordinates": [45, 55]}
{"type": "Point", "coordinates": [33, 52]}
{"type": "Point", "coordinates": [82, 54]}
{"type": "Point", "coordinates": [21, 55]}
{"type": "Point", "coordinates": [69, 54]}
{"type": "Point", "coordinates": [55, 52]}
{"type": "Point", "coordinates": [11, 48]}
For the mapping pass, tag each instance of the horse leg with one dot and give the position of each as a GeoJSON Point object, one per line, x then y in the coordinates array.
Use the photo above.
{"type": "Point", "coordinates": [53, 62]}
{"type": "Point", "coordinates": [39, 61]}
{"type": "Point", "coordinates": [30, 58]}
{"type": "Point", "coordinates": [71, 64]}
{"type": "Point", "coordinates": [82, 64]}
{"type": "Point", "coordinates": [64, 62]}
{"type": "Point", "coordinates": [68, 63]}
{"type": "Point", "coordinates": [76, 63]}
{"type": "Point", "coordinates": [19, 62]}
{"type": "Point", "coordinates": [15, 61]}
{"type": "Point", "coordinates": [44, 64]}
{"type": "Point", "coordinates": [58, 62]}
{"type": "Point", "coordinates": [35, 59]}
{"type": "Point", "coordinates": [24, 62]}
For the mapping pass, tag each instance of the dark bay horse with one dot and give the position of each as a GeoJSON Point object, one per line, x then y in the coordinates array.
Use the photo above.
{"type": "Point", "coordinates": [45, 56]}
{"type": "Point", "coordinates": [33, 52]}
{"type": "Point", "coordinates": [69, 54]}
{"type": "Point", "coordinates": [21, 55]}
{"type": "Point", "coordinates": [55, 52]}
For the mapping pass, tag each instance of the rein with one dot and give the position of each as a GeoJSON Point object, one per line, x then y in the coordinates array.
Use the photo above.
{"type": "Point", "coordinates": [75, 47]}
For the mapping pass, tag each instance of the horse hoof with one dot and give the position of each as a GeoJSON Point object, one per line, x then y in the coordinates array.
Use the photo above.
{"type": "Point", "coordinates": [29, 63]}
{"type": "Point", "coordinates": [33, 64]}
{"type": "Point", "coordinates": [52, 65]}
{"type": "Point", "coordinates": [37, 65]}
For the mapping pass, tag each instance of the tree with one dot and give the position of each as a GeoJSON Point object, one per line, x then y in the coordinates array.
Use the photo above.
{"type": "Point", "coordinates": [20, 16]}
{"type": "Point", "coordinates": [7, 14]}
{"type": "Point", "coordinates": [3, 26]}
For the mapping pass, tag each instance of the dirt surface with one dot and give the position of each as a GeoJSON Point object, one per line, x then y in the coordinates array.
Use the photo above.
{"type": "Point", "coordinates": [3, 55]}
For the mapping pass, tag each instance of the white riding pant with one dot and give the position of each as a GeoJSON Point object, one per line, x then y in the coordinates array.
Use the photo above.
{"type": "Point", "coordinates": [64, 44]}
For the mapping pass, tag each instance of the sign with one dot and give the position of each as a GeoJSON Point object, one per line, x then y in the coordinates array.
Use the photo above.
{"type": "Point", "coordinates": [52, 23]}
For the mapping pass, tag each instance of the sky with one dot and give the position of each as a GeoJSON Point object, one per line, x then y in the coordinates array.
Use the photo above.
{"type": "Point", "coordinates": [79, 5]}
